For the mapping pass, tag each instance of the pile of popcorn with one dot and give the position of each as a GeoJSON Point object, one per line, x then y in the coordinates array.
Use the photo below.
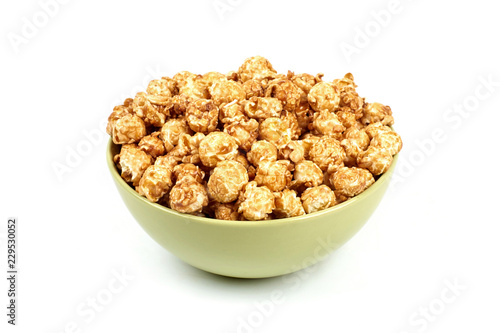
{"type": "Point", "coordinates": [252, 144]}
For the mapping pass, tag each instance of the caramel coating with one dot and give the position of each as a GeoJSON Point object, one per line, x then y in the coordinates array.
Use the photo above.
{"type": "Point", "coordinates": [152, 114]}
{"type": "Point", "coordinates": [163, 87]}
{"type": "Point", "coordinates": [245, 132]}
{"type": "Point", "coordinates": [288, 93]}
{"type": "Point", "coordinates": [355, 142]}
{"type": "Point", "coordinates": [351, 181]}
{"type": "Point", "coordinates": [257, 202]}
{"type": "Point", "coordinates": [171, 131]}
{"type": "Point", "coordinates": [294, 151]}
{"type": "Point", "coordinates": [226, 92]}
{"type": "Point", "coordinates": [187, 149]}
{"type": "Point", "coordinates": [279, 131]}
{"type": "Point", "coordinates": [188, 196]}
{"type": "Point", "coordinates": [231, 112]}
{"type": "Point", "coordinates": [304, 115]}
{"type": "Point", "coordinates": [375, 129]}
{"type": "Point", "coordinates": [308, 173]}
{"type": "Point", "coordinates": [188, 169]}
{"type": "Point", "coordinates": [262, 107]}
{"type": "Point", "coordinates": [195, 88]}
{"type": "Point", "coordinates": [181, 78]}
{"type": "Point", "coordinates": [118, 112]}
{"type": "Point", "coordinates": [202, 116]}
{"type": "Point", "coordinates": [390, 141]}
{"type": "Point", "coordinates": [375, 159]}
{"type": "Point", "coordinates": [132, 162]}
{"type": "Point", "coordinates": [349, 98]}
{"type": "Point", "coordinates": [317, 198]}
{"type": "Point", "coordinates": [216, 147]}
{"type": "Point", "coordinates": [179, 105]}
{"type": "Point", "coordinates": [258, 68]}
{"type": "Point", "coordinates": [212, 77]}
{"type": "Point", "coordinates": [376, 112]}
{"type": "Point", "coordinates": [287, 204]}
{"type": "Point", "coordinates": [262, 151]}
{"type": "Point", "coordinates": [225, 211]}
{"type": "Point", "coordinates": [324, 96]}
{"type": "Point", "coordinates": [128, 129]}
{"type": "Point", "coordinates": [304, 81]}
{"type": "Point", "coordinates": [227, 180]}
{"type": "Point", "coordinates": [152, 145]}
{"type": "Point", "coordinates": [253, 88]}
{"type": "Point", "coordinates": [155, 182]}
{"type": "Point", "coordinates": [328, 154]}
{"type": "Point", "coordinates": [274, 175]}
{"type": "Point", "coordinates": [327, 123]}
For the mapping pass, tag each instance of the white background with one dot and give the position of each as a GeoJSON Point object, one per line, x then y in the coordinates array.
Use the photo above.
{"type": "Point", "coordinates": [438, 225]}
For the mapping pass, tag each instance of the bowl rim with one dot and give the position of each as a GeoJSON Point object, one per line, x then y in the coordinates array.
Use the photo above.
{"type": "Point", "coordinates": [192, 218]}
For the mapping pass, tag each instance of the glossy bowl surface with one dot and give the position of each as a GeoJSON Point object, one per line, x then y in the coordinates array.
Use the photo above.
{"type": "Point", "coordinates": [247, 249]}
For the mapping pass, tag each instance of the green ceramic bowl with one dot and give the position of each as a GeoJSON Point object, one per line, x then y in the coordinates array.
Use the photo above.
{"type": "Point", "coordinates": [247, 249]}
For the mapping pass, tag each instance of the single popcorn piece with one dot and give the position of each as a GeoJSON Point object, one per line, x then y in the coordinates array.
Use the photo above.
{"type": "Point", "coordinates": [376, 112]}
{"type": "Point", "coordinates": [227, 180]}
{"type": "Point", "coordinates": [324, 96]}
{"type": "Point", "coordinates": [279, 131]}
{"type": "Point", "coordinates": [274, 175]}
{"type": "Point", "coordinates": [188, 169]}
{"type": "Point", "coordinates": [172, 130]}
{"type": "Point", "coordinates": [349, 98]}
{"type": "Point", "coordinates": [118, 112]}
{"type": "Point", "coordinates": [375, 129]}
{"type": "Point", "coordinates": [351, 181]}
{"type": "Point", "coordinates": [327, 123]}
{"type": "Point", "coordinates": [318, 198]}
{"type": "Point", "coordinates": [231, 112]}
{"type": "Point", "coordinates": [216, 147]}
{"type": "Point", "coordinates": [152, 145]}
{"type": "Point", "coordinates": [262, 151]}
{"type": "Point", "coordinates": [294, 151]}
{"type": "Point", "coordinates": [257, 68]}
{"type": "Point", "coordinates": [245, 132]}
{"type": "Point", "coordinates": [132, 162]}
{"type": "Point", "coordinates": [188, 196]}
{"type": "Point", "coordinates": [307, 173]}
{"type": "Point", "coordinates": [355, 142]}
{"type": "Point", "coordinates": [375, 159]}
{"type": "Point", "coordinates": [212, 77]}
{"type": "Point", "coordinates": [155, 182]}
{"type": "Point", "coordinates": [152, 114]}
{"type": "Point", "coordinates": [304, 115]}
{"type": "Point", "coordinates": [304, 81]}
{"type": "Point", "coordinates": [288, 93]}
{"type": "Point", "coordinates": [262, 107]}
{"type": "Point", "coordinates": [195, 88]}
{"type": "Point", "coordinates": [287, 204]}
{"type": "Point", "coordinates": [253, 88]}
{"type": "Point", "coordinates": [225, 211]}
{"type": "Point", "coordinates": [182, 77]}
{"type": "Point", "coordinates": [202, 116]}
{"type": "Point", "coordinates": [128, 129]}
{"type": "Point", "coordinates": [163, 87]}
{"type": "Point", "coordinates": [347, 117]}
{"type": "Point", "coordinates": [256, 202]}
{"type": "Point", "coordinates": [390, 141]}
{"type": "Point", "coordinates": [187, 149]}
{"type": "Point", "coordinates": [179, 105]}
{"type": "Point", "coordinates": [168, 161]}
{"type": "Point", "coordinates": [226, 92]}
{"type": "Point", "coordinates": [328, 154]}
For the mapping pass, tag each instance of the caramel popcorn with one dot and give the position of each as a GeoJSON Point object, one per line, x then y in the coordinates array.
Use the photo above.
{"type": "Point", "coordinates": [287, 204]}
{"type": "Point", "coordinates": [226, 91]}
{"type": "Point", "coordinates": [227, 180]}
{"type": "Point", "coordinates": [275, 175]}
{"type": "Point", "coordinates": [128, 129]}
{"type": "Point", "coordinates": [328, 154]}
{"type": "Point", "coordinates": [188, 196]}
{"type": "Point", "coordinates": [252, 144]}
{"type": "Point", "coordinates": [258, 68]}
{"type": "Point", "coordinates": [318, 198]}
{"type": "Point", "coordinates": [216, 147]}
{"type": "Point", "coordinates": [132, 162]}
{"type": "Point", "coordinates": [202, 116]}
{"type": "Point", "coordinates": [351, 181]}
{"type": "Point", "coordinates": [262, 107]}
{"type": "Point", "coordinates": [155, 182]}
{"type": "Point", "coordinates": [324, 96]}
{"type": "Point", "coordinates": [262, 151]}
{"type": "Point", "coordinates": [257, 202]}
{"type": "Point", "coordinates": [172, 130]}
